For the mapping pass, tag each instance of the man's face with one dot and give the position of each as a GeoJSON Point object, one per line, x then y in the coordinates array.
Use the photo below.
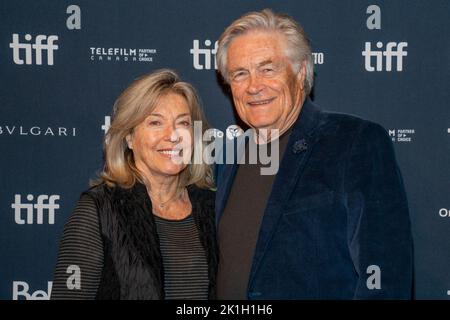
{"type": "Point", "coordinates": [266, 92]}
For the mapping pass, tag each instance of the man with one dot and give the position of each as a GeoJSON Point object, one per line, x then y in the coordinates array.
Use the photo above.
{"type": "Point", "coordinates": [333, 223]}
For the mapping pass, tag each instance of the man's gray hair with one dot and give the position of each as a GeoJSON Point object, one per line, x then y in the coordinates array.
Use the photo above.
{"type": "Point", "coordinates": [298, 45]}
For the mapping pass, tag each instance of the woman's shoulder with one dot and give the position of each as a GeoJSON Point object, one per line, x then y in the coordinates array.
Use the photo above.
{"type": "Point", "coordinates": [96, 189]}
{"type": "Point", "coordinates": [102, 191]}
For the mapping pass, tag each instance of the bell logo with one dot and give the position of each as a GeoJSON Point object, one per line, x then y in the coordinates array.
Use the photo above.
{"type": "Point", "coordinates": [392, 50]}
{"type": "Point", "coordinates": [44, 203]}
{"type": "Point", "coordinates": [41, 43]}
{"type": "Point", "coordinates": [21, 288]}
{"type": "Point", "coordinates": [208, 55]}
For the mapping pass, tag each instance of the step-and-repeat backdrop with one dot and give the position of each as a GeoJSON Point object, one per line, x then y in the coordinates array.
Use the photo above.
{"type": "Point", "coordinates": [63, 63]}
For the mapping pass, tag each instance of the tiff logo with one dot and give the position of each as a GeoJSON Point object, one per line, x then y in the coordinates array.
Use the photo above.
{"type": "Point", "coordinates": [107, 124]}
{"type": "Point", "coordinates": [208, 55]}
{"type": "Point", "coordinates": [44, 203]}
{"type": "Point", "coordinates": [392, 50]}
{"type": "Point", "coordinates": [41, 43]}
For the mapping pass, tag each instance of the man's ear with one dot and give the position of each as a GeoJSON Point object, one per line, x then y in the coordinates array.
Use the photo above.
{"type": "Point", "coordinates": [301, 75]}
{"type": "Point", "coordinates": [129, 139]}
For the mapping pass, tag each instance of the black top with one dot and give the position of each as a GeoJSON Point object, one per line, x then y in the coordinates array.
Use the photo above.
{"type": "Point", "coordinates": [239, 225]}
{"type": "Point", "coordinates": [184, 260]}
{"type": "Point", "coordinates": [113, 247]}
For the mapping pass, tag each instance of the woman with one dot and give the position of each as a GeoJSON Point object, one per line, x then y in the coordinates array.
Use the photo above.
{"type": "Point", "coordinates": [146, 229]}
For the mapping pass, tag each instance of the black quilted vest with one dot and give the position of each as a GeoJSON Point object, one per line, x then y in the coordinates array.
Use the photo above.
{"type": "Point", "coordinates": [133, 267]}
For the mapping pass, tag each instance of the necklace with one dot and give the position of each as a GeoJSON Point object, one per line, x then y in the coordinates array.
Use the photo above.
{"type": "Point", "coordinates": [177, 207]}
{"type": "Point", "coordinates": [162, 204]}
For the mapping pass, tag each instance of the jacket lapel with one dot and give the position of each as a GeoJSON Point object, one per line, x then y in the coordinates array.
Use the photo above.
{"type": "Point", "coordinates": [295, 157]}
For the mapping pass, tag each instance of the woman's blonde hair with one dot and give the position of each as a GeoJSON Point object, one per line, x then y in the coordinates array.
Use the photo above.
{"type": "Point", "coordinates": [130, 109]}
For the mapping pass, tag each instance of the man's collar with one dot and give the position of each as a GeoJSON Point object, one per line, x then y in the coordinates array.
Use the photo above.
{"type": "Point", "coordinates": [307, 121]}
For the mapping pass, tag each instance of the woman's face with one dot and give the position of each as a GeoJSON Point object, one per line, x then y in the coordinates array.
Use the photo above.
{"type": "Point", "coordinates": [162, 143]}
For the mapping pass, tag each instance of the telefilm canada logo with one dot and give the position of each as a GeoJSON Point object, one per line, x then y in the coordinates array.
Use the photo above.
{"type": "Point", "coordinates": [401, 135]}
{"type": "Point", "coordinates": [120, 54]}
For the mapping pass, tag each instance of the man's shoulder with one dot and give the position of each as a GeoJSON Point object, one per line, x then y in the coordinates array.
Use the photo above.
{"type": "Point", "coordinates": [331, 118]}
{"type": "Point", "coordinates": [344, 123]}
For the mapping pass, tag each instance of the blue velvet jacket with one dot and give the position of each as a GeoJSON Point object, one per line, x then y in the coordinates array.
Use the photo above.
{"type": "Point", "coordinates": [336, 224]}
